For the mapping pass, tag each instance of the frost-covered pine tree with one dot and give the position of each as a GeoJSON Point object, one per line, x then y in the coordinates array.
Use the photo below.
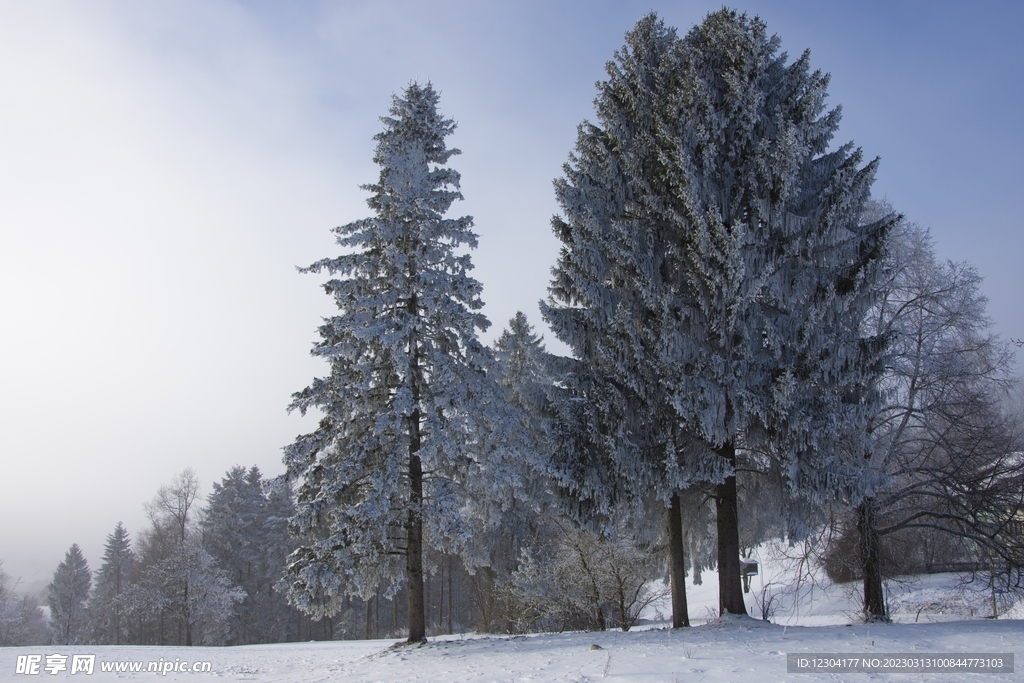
{"type": "Point", "coordinates": [66, 596]}
{"type": "Point", "coordinates": [108, 608]}
{"type": "Point", "coordinates": [245, 530]}
{"type": "Point", "coordinates": [523, 374]}
{"type": "Point", "coordinates": [606, 298]}
{"type": "Point", "coordinates": [523, 367]}
{"type": "Point", "coordinates": [506, 520]}
{"type": "Point", "coordinates": [715, 271]}
{"type": "Point", "coordinates": [407, 403]}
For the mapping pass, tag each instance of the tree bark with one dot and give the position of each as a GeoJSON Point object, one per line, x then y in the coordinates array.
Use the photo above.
{"type": "Point", "coordinates": [414, 524]}
{"type": "Point", "coordinates": [870, 562]}
{"type": "Point", "coordinates": [188, 618]}
{"type": "Point", "coordinates": [440, 595]}
{"type": "Point", "coordinates": [677, 564]}
{"type": "Point", "coordinates": [730, 585]}
{"type": "Point", "coordinates": [117, 607]}
{"type": "Point", "coordinates": [450, 601]}
{"type": "Point", "coordinates": [414, 553]}
{"type": "Point", "coordinates": [366, 631]}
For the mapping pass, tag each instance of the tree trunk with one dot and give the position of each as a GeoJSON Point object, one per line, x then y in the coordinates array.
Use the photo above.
{"type": "Point", "coordinates": [414, 549]}
{"type": "Point", "coordinates": [440, 595]}
{"type": "Point", "coordinates": [188, 619]}
{"type": "Point", "coordinates": [600, 622]}
{"type": "Point", "coordinates": [451, 602]}
{"type": "Point", "coordinates": [730, 585]}
{"type": "Point", "coordinates": [677, 564]}
{"type": "Point", "coordinates": [366, 630]}
{"type": "Point", "coordinates": [117, 607]}
{"type": "Point", "coordinates": [414, 525]}
{"type": "Point", "coordinates": [992, 586]}
{"type": "Point", "coordinates": [870, 562]}
{"type": "Point", "coordinates": [428, 601]}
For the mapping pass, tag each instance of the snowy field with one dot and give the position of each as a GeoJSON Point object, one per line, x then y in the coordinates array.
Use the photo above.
{"type": "Point", "coordinates": [932, 618]}
{"type": "Point", "coordinates": [740, 649]}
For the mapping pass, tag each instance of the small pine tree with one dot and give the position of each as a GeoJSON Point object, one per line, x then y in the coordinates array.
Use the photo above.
{"type": "Point", "coordinates": [113, 580]}
{"type": "Point", "coordinates": [523, 365]}
{"type": "Point", "coordinates": [66, 596]}
{"type": "Point", "coordinates": [506, 521]}
{"type": "Point", "coordinates": [407, 403]}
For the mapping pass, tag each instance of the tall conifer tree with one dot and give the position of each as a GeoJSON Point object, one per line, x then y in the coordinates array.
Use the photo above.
{"type": "Point", "coordinates": [405, 404]}
{"type": "Point", "coordinates": [66, 596]}
{"type": "Point", "coordinates": [715, 271]}
{"type": "Point", "coordinates": [108, 607]}
{"type": "Point", "coordinates": [245, 529]}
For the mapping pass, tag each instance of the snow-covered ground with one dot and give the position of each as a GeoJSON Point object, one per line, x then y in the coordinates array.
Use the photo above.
{"type": "Point", "coordinates": [730, 651]}
{"type": "Point", "coordinates": [932, 616]}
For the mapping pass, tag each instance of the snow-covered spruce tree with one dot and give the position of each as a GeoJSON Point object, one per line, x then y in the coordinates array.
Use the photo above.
{"type": "Point", "coordinates": [245, 530]}
{"type": "Point", "coordinates": [715, 271]}
{"type": "Point", "coordinates": [108, 608]}
{"type": "Point", "coordinates": [408, 406]}
{"type": "Point", "coordinates": [66, 595]}
{"type": "Point", "coordinates": [523, 371]}
{"type": "Point", "coordinates": [507, 523]}
{"type": "Point", "coordinates": [615, 390]}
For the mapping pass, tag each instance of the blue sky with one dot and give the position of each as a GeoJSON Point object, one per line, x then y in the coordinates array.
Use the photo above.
{"type": "Point", "coordinates": [164, 166]}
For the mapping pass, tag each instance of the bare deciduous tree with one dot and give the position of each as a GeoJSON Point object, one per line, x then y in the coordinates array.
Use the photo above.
{"type": "Point", "coordinates": [946, 453]}
{"type": "Point", "coordinates": [181, 581]}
